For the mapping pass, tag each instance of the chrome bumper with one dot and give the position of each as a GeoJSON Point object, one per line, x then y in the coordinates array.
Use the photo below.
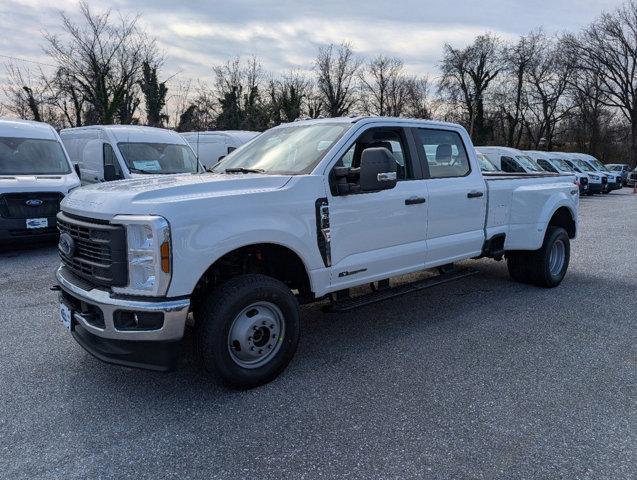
{"type": "Point", "coordinates": [175, 312]}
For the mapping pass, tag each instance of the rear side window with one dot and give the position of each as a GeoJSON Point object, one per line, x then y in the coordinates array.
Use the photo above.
{"type": "Point", "coordinates": [546, 165]}
{"type": "Point", "coordinates": [510, 165]}
{"type": "Point", "coordinates": [445, 153]}
{"type": "Point", "coordinates": [110, 159]}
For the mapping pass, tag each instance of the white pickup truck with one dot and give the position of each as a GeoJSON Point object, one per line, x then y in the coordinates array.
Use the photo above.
{"type": "Point", "coordinates": [304, 212]}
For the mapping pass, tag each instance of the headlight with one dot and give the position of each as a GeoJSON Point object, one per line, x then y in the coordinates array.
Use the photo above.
{"type": "Point", "coordinates": [594, 177]}
{"type": "Point", "coordinates": [149, 262]}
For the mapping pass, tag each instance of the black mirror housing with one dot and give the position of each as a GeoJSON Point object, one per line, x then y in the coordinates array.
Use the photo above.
{"type": "Point", "coordinates": [76, 167]}
{"type": "Point", "coordinates": [378, 170]}
{"type": "Point", "coordinates": [110, 173]}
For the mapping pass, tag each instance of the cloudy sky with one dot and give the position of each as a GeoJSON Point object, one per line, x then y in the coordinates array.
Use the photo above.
{"type": "Point", "coordinates": [285, 34]}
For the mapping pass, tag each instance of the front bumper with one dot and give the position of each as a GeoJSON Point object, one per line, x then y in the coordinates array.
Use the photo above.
{"type": "Point", "coordinates": [94, 327]}
{"type": "Point", "coordinates": [14, 229]}
{"type": "Point", "coordinates": [595, 188]}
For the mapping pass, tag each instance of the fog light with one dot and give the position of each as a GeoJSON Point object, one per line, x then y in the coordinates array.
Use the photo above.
{"type": "Point", "coordinates": [126, 320]}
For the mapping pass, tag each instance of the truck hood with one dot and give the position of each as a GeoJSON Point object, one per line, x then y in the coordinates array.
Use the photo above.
{"type": "Point", "coordinates": [38, 183]}
{"type": "Point", "coordinates": [150, 195]}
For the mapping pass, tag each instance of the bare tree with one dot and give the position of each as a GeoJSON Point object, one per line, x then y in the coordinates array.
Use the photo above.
{"type": "Point", "coordinates": [549, 75]}
{"type": "Point", "coordinates": [608, 47]}
{"type": "Point", "coordinates": [418, 101]}
{"type": "Point", "coordinates": [511, 96]}
{"type": "Point", "coordinates": [289, 97]}
{"type": "Point", "coordinates": [466, 76]}
{"type": "Point", "coordinates": [383, 86]}
{"type": "Point", "coordinates": [336, 69]}
{"type": "Point", "coordinates": [102, 58]}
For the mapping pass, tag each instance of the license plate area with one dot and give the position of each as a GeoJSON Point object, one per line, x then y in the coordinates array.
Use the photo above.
{"type": "Point", "coordinates": [37, 223]}
{"type": "Point", "coordinates": [66, 316]}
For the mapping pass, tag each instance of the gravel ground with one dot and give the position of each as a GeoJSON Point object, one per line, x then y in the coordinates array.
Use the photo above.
{"type": "Point", "coordinates": [481, 378]}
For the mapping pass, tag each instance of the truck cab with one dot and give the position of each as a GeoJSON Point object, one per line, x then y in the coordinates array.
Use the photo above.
{"type": "Point", "coordinates": [303, 213]}
{"type": "Point", "coordinates": [212, 146]}
{"type": "Point", "coordinates": [116, 152]}
{"type": "Point", "coordinates": [35, 175]}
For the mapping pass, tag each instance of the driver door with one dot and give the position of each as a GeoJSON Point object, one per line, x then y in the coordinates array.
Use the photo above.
{"type": "Point", "coordinates": [376, 235]}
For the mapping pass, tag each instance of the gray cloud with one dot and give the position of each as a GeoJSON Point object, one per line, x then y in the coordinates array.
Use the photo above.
{"type": "Point", "coordinates": [285, 34]}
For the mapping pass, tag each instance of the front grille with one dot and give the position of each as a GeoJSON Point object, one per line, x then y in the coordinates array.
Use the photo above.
{"type": "Point", "coordinates": [30, 204]}
{"type": "Point", "coordinates": [99, 253]}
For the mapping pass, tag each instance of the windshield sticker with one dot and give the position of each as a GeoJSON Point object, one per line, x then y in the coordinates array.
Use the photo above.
{"type": "Point", "coordinates": [151, 165]}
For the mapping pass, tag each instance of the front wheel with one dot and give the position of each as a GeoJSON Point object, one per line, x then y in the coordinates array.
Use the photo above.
{"type": "Point", "coordinates": [248, 330]}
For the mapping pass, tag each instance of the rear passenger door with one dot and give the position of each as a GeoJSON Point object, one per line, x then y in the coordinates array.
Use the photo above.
{"type": "Point", "coordinates": [457, 197]}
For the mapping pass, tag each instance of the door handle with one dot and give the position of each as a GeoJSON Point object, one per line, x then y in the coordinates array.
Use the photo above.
{"type": "Point", "coordinates": [474, 194]}
{"type": "Point", "coordinates": [414, 200]}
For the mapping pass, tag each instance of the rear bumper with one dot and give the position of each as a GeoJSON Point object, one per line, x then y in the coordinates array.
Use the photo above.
{"type": "Point", "coordinates": [12, 229]}
{"type": "Point", "coordinates": [94, 327]}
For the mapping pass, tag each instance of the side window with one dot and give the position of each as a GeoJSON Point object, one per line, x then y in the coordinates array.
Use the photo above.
{"type": "Point", "coordinates": [110, 158]}
{"type": "Point", "coordinates": [391, 139]}
{"type": "Point", "coordinates": [445, 153]}
{"type": "Point", "coordinates": [546, 165]}
{"type": "Point", "coordinates": [510, 165]}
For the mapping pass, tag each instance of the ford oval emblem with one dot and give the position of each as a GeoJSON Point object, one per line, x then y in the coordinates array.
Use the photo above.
{"type": "Point", "coordinates": [66, 245]}
{"type": "Point", "coordinates": [34, 202]}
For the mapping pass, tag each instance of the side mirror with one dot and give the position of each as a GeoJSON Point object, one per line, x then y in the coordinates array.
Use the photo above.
{"type": "Point", "coordinates": [378, 170]}
{"type": "Point", "coordinates": [110, 173]}
{"type": "Point", "coordinates": [76, 166]}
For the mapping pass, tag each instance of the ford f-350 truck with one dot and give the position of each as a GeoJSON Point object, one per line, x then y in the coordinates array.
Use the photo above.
{"type": "Point", "coordinates": [305, 212]}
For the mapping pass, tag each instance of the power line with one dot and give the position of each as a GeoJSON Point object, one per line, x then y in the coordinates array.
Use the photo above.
{"type": "Point", "coordinates": [28, 61]}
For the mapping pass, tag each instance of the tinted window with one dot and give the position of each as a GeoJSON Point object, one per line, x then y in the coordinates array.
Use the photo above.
{"type": "Point", "coordinates": [32, 156]}
{"type": "Point", "coordinates": [546, 165]}
{"type": "Point", "coordinates": [509, 165]}
{"type": "Point", "coordinates": [445, 153]}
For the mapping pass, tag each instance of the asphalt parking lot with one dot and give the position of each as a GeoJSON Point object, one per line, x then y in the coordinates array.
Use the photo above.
{"type": "Point", "coordinates": [482, 378]}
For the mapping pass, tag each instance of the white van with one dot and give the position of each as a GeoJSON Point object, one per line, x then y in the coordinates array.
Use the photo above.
{"type": "Point", "coordinates": [35, 174]}
{"type": "Point", "coordinates": [115, 152]}
{"type": "Point", "coordinates": [510, 160]}
{"type": "Point", "coordinates": [553, 162]}
{"type": "Point", "coordinates": [210, 147]}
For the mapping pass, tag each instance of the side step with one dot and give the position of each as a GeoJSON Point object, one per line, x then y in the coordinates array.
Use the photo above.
{"type": "Point", "coordinates": [350, 303]}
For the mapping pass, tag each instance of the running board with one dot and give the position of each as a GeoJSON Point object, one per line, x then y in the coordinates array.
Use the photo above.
{"type": "Point", "coordinates": [378, 296]}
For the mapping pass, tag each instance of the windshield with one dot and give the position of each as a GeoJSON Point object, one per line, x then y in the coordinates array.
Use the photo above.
{"type": "Point", "coordinates": [485, 163]}
{"type": "Point", "coordinates": [599, 165]}
{"type": "Point", "coordinates": [158, 158]}
{"type": "Point", "coordinates": [32, 156]}
{"type": "Point", "coordinates": [285, 150]}
{"type": "Point", "coordinates": [561, 165]}
{"type": "Point", "coordinates": [615, 168]}
{"type": "Point", "coordinates": [529, 164]}
{"type": "Point", "coordinates": [583, 165]}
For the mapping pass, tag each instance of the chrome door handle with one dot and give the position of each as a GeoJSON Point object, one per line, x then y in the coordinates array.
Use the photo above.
{"type": "Point", "coordinates": [414, 200]}
{"type": "Point", "coordinates": [474, 194]}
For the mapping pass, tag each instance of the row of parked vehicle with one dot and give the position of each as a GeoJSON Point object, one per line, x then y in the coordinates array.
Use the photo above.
{"type": "Point", "coordinates": [592, 175]}
{"type": "Point", "coordinates": [38, 167]}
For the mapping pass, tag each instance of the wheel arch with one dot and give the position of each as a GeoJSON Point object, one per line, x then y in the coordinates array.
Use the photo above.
{"type": "Point", "coordinates": [269, 258]}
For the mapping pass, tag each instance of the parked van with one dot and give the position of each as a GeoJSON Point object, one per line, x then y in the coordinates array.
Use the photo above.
{"type": "Point", "coordinates": [622, 169]}
{"type": "Point", "coordinates": [510, 160]}
{"type": "Point", "coordinates": [210, 147]}
{"type": "Point", "coordinates": [598, 181]}
{"type": "Point", "coordinates": [614, 178]}
{"type": "Point", "coordinates": [115, 152]}
{"type": "Point", "coordinates": [551, 162]}
{"type": "Point", "coordinates": [35, 174]}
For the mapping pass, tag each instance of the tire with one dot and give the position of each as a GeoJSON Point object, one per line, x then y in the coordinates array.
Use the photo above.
{"type": "Point", "coordinates": [606, 192]}
{"type": "Point", "coordinates": [542, 267]}
{"type": "Point", "coordinates": [518, 266]}
{"type": "Point", "coordinates": [255, 305]}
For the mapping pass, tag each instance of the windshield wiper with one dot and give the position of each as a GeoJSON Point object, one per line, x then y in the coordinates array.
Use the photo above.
{"type": "Point", "coordinates": [244, 170]}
